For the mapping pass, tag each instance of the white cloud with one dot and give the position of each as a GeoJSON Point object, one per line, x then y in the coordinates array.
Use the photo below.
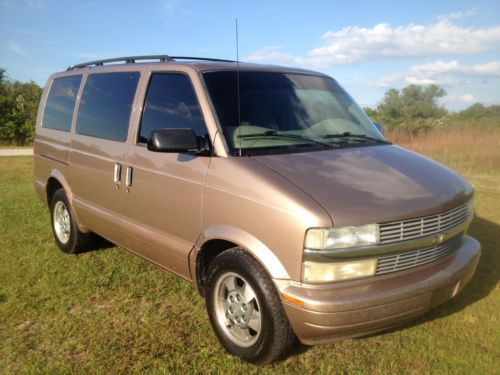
{"type": "Point", "coordinates": [173, 8]}
{"type": "Point", "coordinates": [419, 81]}
{"type": "Point", "coordinates": [36, 3]}
{"type": "Point", "coordinates": [488, 69]}
{"type": "Point", "coordinates": [357, 44]}
{"type": "Point", "coordinates": [465, 99]}
{"type": "Point", "coordinates": [275, 54]}
{"type": "Point", "coordinates": [18, 49]}
{"type": "Point", "coordinates": [458, 15]}
{"type": "Point", "coordinates": [441, 73]}
{"type": "Point", "coordinates": [170, 7]}
{"type": "Point", "coordinates": [85, 55]}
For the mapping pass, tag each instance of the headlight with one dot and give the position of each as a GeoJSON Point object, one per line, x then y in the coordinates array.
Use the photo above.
{"type": "Point", "coordinates": [338, 238]}
{"type": "Point", "coordinates": [318, 272]}
{"type": "Point", "coordinates": [470, 208]}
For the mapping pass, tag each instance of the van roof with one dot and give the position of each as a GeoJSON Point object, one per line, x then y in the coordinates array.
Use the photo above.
{"type": "Point", "coordinates": [197, 63]}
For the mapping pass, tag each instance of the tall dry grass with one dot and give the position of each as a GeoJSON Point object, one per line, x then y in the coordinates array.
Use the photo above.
{"type": "Point", "coordinates": [467, 149]}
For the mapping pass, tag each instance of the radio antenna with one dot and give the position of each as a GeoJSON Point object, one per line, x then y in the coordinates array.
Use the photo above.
{"type": "Point", "coordinates": [238, 84]}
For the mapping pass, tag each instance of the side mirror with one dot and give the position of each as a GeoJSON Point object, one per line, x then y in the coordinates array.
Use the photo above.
{"type": "Point", "coordinates": [173, 140]}
{"type": "Point", "coordinates": [379, 127]}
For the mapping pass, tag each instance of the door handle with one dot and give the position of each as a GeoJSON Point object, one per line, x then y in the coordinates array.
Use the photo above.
{"type": "Point", "coordinates": [117, 176]}
{"type": "Point", "coordinates": [128, 179]}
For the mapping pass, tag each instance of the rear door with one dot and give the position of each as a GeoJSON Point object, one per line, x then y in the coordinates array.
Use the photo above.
{"type": "Point", "coordinates": [165, 197]}
{"type": "Point", "coordinates": [98, 149]}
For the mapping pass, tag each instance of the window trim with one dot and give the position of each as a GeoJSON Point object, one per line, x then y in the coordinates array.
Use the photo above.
{"type": "Point", "coordinates": [146, 91]}
{"type": "Point", "coordinates": [75, 105]}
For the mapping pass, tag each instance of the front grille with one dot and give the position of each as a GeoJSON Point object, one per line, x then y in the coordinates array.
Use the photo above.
{"type": "Point", "coordinates": [409, 259]}
{"type": "Point", "coordinates": [424, 226]}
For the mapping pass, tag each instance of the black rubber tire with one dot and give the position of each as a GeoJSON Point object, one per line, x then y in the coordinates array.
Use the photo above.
{"type": "Point", "coordinates": [276, 335]}
{"type": "Point", "coordinates": [78, 241]}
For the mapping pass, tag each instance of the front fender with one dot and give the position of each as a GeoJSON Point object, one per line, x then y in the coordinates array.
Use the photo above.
{"type": "Point", "coordinates": [248, 242]}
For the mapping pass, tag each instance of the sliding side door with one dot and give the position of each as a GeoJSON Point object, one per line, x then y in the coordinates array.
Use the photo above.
{"type": "Point", "coordinates": [98, 149]}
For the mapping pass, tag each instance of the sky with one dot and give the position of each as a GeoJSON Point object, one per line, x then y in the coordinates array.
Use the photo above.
{"type": "Point", "coordinates": [367, 46]}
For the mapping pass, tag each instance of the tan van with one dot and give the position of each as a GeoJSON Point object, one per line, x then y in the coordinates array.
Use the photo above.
{"type": "Point", "coordinates": [266, 187]}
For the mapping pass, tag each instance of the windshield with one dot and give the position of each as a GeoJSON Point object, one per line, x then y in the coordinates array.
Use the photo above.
{"type": "Point", "coordinates": [282, 112]}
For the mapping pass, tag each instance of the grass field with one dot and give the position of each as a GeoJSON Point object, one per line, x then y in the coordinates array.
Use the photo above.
{"type": "Point", "coordinates": [108, 311]}
{"type": "Point", "coordinates": [10, 146]}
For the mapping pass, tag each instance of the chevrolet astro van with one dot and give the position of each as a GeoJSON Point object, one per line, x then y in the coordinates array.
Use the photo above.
{"type": "Point", "coordinates": [266, 187]}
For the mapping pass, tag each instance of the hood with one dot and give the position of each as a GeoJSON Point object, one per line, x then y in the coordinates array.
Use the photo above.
{"type": "Point", "coordinates": [373, 184]}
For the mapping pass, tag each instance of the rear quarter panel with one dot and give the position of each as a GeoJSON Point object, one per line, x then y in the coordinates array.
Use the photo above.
{"type": "Point", "coordinates": [50, 150]}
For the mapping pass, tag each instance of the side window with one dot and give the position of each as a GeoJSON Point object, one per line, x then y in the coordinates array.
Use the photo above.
{"type": "Point", "coordinates": [106, 104]}
{"type": "Point", "coordinates": [170, 103]}
{"type": "Point", "coordinates": [61, 103]}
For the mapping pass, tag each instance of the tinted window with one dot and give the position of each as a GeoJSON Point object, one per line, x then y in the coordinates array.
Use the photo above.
{"type": "Point", "coordinates": [106, 104]}
{"type": "Point", "coordinates": [170, 103]}
{"type": "Point", "coordinates": [285, 112]}
{"type": "Point", "coordinates": [61, 102]}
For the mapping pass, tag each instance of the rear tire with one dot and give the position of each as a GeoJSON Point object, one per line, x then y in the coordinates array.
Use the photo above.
{"type": "Point", "coordinates": [245, 309]}
{"type": "Point", "coordinates": [64, 226]}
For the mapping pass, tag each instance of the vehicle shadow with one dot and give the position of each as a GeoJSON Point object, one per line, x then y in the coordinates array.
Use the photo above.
{"type": "Point", "coordinates": [97, 243]}
{"type": "Point", "coordinates": [484, 281]}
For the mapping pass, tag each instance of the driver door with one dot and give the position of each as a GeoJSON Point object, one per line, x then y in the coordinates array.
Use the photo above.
{"type": "Point", "coordinates": [165, 190]}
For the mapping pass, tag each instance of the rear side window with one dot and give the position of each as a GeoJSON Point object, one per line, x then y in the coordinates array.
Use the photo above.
{"type": "Point", "coordinates": [170, 103]}
{"type": "Point", "coordinates": [106, 104]}
{"type": "Point", "coordinates": [61, 103]}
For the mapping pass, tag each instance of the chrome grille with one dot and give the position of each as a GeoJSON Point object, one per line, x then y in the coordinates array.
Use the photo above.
{"type": "Point", "coordinates": [424, 226]}
{"type": "Point", "coordinates": [410, 259]}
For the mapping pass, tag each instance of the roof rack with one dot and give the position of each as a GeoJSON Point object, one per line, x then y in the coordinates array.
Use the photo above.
{"type": "Point", "coordinates": [133, 59]}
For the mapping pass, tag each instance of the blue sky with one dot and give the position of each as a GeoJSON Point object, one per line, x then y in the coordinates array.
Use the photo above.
{"type": "Point", "coordinates": [368, 46]}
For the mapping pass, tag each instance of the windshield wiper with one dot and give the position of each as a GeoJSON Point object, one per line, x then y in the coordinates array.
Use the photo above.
{"type": "Point", "coordinates": [358, 136]}
{"type": "Point", "coordinates": [274, 133]}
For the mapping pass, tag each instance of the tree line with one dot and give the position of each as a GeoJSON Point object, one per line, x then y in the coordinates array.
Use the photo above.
{"type": "Point", "coordinates": [416, 108]}
{"type": "Point", "coordinates": [18, 108]}
{"type": "Point", "coordinates": [412, 108]}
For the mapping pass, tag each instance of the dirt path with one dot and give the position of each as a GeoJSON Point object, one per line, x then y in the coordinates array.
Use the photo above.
{"type": "Point", "coordinates": [15, 151]}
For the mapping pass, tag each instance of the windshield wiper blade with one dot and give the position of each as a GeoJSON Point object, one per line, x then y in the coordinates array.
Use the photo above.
{"type": "Point", "coordinates": [274, 133]}
{"type": "Point", "coordinates": [358, 136]}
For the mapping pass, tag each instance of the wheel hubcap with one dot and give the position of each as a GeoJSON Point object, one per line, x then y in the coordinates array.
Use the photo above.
{"type": "Point", "coordinates": [237, 309]}
{"type": "Point", "coordinates": [61, 222]}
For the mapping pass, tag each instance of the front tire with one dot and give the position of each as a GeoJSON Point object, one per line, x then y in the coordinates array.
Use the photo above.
{"type": "Point", "coordinates": [245, 309]}
{"type": "Point", "coordinates": [64, 226]}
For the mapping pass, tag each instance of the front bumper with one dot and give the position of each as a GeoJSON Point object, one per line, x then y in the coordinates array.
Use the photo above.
{"type": "Point", "coordinates": [362, 307]}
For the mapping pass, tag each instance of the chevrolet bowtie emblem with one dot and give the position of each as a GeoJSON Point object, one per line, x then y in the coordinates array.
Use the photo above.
{"type": "Point", "coordinates": [438, 238]}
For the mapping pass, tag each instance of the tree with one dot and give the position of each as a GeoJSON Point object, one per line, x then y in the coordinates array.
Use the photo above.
{"type": "Point", "coordinates": [477, 111]}
{"type": "Point", "coordinates": [390, 110]}
{"type": "Point", "coordinates": [18, 110]}
{"type": "Point", "coordinates": [3, 76]}
{"type": "Point", "coordinates": [412, 106]}
{"type": "Point", "coordinates": [479, 115]}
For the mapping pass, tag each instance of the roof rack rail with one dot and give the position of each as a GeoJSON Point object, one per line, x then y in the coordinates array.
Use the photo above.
{"type": "Point", "coordinates": [126, 60]}
{"type": "Point", "coordinates": [200, 59]}
{"type": "Point", "coordinates": [133, 59]}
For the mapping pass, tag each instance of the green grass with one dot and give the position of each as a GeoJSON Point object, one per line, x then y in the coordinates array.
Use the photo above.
{"type": "Point", "coordinates": [109, 311]}
{"type": "Point", "coordinates": [10, 146]}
